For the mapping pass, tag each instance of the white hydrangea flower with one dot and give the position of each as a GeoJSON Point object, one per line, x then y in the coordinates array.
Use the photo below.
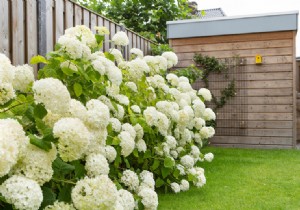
{"type": "Point", "coordinates": [12, 139]}
{"type": "Point", "coordinates": [183, 118]}
{"type": "Point", "coordinates": [23, 77]}
{"type": "Point", "coordinates": [184, 185]}
{"type": "Point", "coordinates": [151, 115]}
{"type": "Point", "coordinates": [94, 193]}
{"type": "Point", "coordinates": [130, 179]}
{"type": "Point", "coordinates": [149, 198]}
{"type": "Point", "coordinates": [6, 73]}
{"type": "Point", "coordinates": [86, 35]}
{"type": "Point", "coordinates": [173, 79]}
{"type": "Point", "coordinates": [174, 154]}
{"type": "Point", "coordinates": [132, 86]}
{"type": "Point", "coordinates": [106, 101]}
{"type": "Point", "coordinates": [166, 149]}
{"type": "Point", "coordinates": [23, 193]}
{"type": "Point", "coordinates": [96, 164]}
{"type": "Point", "coordinates": [183, 79]}
{"type": "Point", "coordinates": [136, 69]}
{"type": "Point", "coordinates": [175, 187]}
{"type": "Point", "coordinates": [198, 107]}
{"type": "Point", "coordinates": [130, 129]}
{"type": "Point", "coordinates": [199, 123]}
{"type": "Point", "coordinates": [97, 141]}
{"type": "Point", "coordinates": [112, 90]}
{"type": "Point", "coordinates": [110, 153]}
{"type": "Point", "coordinates": [35, 163]}
{"type": "Point", "coordinates": [141, 145]}
{"type": "Point", "coordinates": [117, 54]}
{"type": "Point", "coordinates": [77, 109]}
{"type": "Point", "coordinates": [101, 30]}
{"type": "Point", "coordinates": [184, 87]}
{"type": "Point", "coordinates": [171, 141]}
{"type": "Point", "coordinates": [7, 93]}
{"type": "Point", "coordinates": [120, 38]}
{"type": "Point", "coordinates": [162, 63]}
{"type": "Point", "coordinates": [136, 109]}
{"type": "Point", "coordinates": [74, 138]}
{"type": "Point", "coordinates": [205, 93]}
{"type": "Point", "coordinates": [207, 132]}
{"type": "Point", "coordinates": [97, 116]}
{"type": "Point", "coordinates": [171, 58]}
{"type": "Point", "coordinates": [120, 112]}
{"type": "Point", "coordinates": [102, 64]}
{"type": "Point", "coordinates": [147, 180]}
{"type": "Point", "coordinates": [187, 161]}
{"type": "Point", "coordinates": [209, 114]}
{"type": "Point", "coordinates": [114, 74]}
{"type": "Point", "coordinates": [60, 205]}
{"type": "Point", "coordinates": [198, 139]}
{"type": "Point", "coordinates": [96, 55]}
{"type": "Point", "coordinates": [53, 94]}
{"type": "Point", "coordinates": [195, 152]}
{"type": "Point", "coordinates": [122, 99]}
{"type": "Point", "coordinates": [201, 180]}
{"type": "Point", "coordinates": [74, 48]}
{"type": "Point", "coordinates": [127, 143]}
{"type": "Point", "coordinates": [126, 199]}
{"type": "Point", "coordinates": [68, 64]}
{"type": "Point", "coordinates": [209, 157]}
{"type": "Point", "coordinates": [163, 124]}
{"type": "Point", "coordinates": [139, 131]}
{"type": "Point", "coordinates": [181, 169]}
{"type": "Point", "coordinates": [116, 124]}
{"type": "Point", "coordinates": [137, 52]}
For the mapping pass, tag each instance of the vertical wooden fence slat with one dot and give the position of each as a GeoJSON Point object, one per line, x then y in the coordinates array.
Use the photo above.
{"type": "Point", "coordinates": [93, 22]}
{"type": "Point", "coordinates": [142, 45]}
{"type": "Point", "coordinates": [78, 15]}
{"type": "Point", "coordinates": [112, 27]}
{"type": "Point", "coordinates": [18, 51]}
{"type": "Point", "coordinates": [69, 14]}
{"type": "Point", "coordinates": [4, 28]}
{"type": "Point", "coordinates": [138, 40]}
{"type": "Point", "coordinates": [59, 19]}
{"type": "Point", "coordinates": [49, 25]}
{"type": "Point", "coordinates": [134, 40]}
{"type": "Point", "coordinates": [100, 21]}
{"type": "Point", "coordinates": [86, 18]}
{"type": "Point", "coordinates": [107, 37]}
{"type": "Point", "coordinates": [32, 36]}
{"type": "Point", "coordinates": [129, 34]}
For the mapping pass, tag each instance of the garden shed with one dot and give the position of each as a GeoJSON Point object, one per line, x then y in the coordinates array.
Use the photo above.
{"type": "Point", "coordinates": [263, 114]}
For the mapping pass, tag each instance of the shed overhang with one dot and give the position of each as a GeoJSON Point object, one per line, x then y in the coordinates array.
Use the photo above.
{"type": "Point", "coordinates": [283, 21]}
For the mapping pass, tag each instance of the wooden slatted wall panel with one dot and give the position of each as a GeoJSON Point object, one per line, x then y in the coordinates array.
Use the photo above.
{"type": "Point", "coordinates": [269, 88]}
{"type": "Point", "coordinates": [20, 33]}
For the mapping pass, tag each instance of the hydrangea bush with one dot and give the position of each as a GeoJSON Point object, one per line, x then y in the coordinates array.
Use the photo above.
{"type": "Point", "coordinates": [96, 131]}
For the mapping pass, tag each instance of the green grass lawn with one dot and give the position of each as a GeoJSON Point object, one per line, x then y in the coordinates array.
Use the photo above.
{"type": "Point", "coordinates": [243, 179]}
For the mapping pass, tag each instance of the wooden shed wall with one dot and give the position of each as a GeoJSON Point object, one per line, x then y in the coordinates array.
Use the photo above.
{"type": "Point", "coordinates": [270, 88]}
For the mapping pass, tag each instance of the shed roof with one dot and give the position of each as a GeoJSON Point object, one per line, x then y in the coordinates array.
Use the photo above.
{"type": "Point", "coordinates": [280, 21]}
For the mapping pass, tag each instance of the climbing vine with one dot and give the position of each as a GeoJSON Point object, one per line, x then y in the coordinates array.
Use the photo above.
{"type": "Point", "coordinates": [212, 65]}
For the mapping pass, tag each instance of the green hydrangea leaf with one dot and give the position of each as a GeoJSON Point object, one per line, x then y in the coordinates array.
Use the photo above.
{"type": "Point", "coordinates": [77, 89]}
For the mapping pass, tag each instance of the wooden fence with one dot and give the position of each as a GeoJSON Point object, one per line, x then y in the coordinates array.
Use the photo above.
{"type": "Point", "coordinates": [31, 27]}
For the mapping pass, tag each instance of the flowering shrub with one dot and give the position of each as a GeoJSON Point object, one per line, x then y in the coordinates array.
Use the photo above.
{"type": "Point", "coordinates": [90, 134]}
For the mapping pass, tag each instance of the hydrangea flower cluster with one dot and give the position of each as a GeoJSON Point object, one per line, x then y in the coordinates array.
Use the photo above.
{"type": "Point", "coordinates": [108, 134]}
